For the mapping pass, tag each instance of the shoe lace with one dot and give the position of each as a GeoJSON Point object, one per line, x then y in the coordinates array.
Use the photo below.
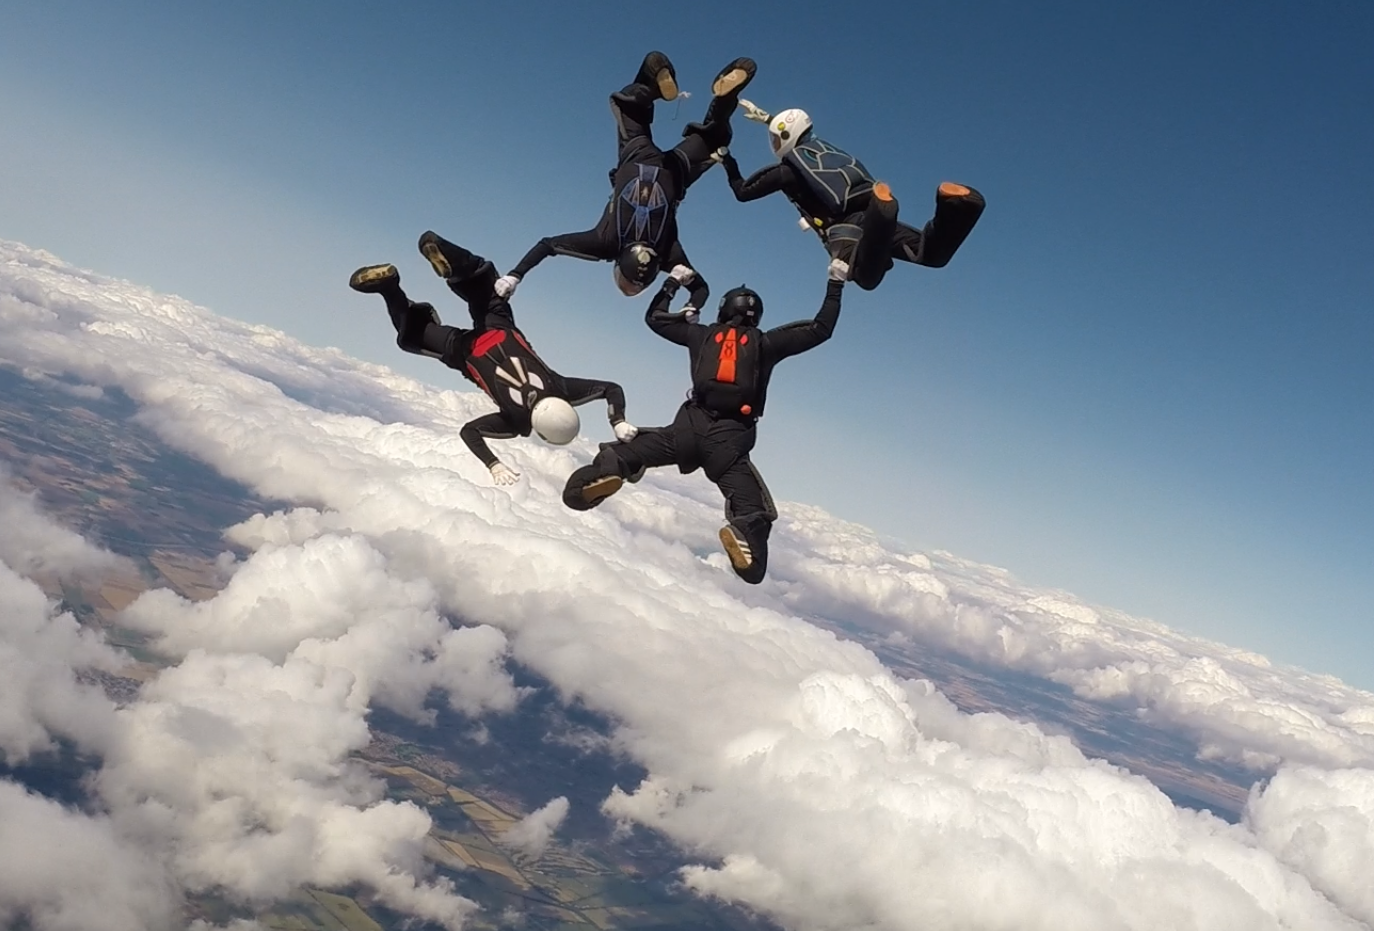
{"type": "Point", "coordinates": [681, 96]}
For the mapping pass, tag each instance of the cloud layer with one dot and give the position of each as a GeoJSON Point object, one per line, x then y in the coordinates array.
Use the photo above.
{"type": "Point", "coordinates": [33, 544]}
{"type": "Point", "coordinates": [809, 781]}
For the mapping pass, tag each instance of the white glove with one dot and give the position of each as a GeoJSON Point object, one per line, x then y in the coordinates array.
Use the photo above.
{"type": "Point", "coordinates": [690, 313]}
{"type": "Point", "coordinates": [753, 112]}
{"type": "Point", "coordinates": [503, 474]}
{"type": "Point", "coordinates": [682, 274]}
{"type": "Point", "coordinates": [505, 285]}
{"type": "Point", "coordinates": [839, 270]}
{"type": "Point", "coordinates": [625, 431]}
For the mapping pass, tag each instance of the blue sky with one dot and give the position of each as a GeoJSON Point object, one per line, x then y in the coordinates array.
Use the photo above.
{"type": "Point", "coordinates": [1144, 379]}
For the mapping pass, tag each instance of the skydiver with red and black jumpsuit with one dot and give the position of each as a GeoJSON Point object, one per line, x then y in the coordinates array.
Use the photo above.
{"type": "Point", "coordinates": [732, 361]}
{"type": "Point", "coordinates": [638, 230]}
{"type": "Point", "coordinates": [854, 215]}
{"type": "Point", "coordinates": [494, 355]}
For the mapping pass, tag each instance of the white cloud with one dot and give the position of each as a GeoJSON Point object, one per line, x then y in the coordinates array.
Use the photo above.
{"type": "Point", "coordinates": [532, 833]}
{"type": "Point", "coordinates": [41, 651]}
{"type": "Point", "coordinates": [242, 748]}
{"type": "Point", "coordinates": [239, 766]}
{"type": "Point", "coordinates": [1238, 704]}
{"type": "Point", "coordinates": [810, 782]}
{"type": "Point", "coordinates": [34, 543]}
{"type": "Point", "coordinates": [62, 870]}
{"type": "Point", "coordinates": [1321, 823]}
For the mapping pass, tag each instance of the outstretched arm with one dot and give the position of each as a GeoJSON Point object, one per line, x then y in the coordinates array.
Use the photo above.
{"type": "Point", "coordinates": [582, 390]}
{"type": "Point", "coordinates": [792, 338]}
{"type": "Point", "coordinates": [761, 183]}
{"type": "Point", "coordinates": [587, 244]}
{"type": "Point", "coordinates": [475, 434]}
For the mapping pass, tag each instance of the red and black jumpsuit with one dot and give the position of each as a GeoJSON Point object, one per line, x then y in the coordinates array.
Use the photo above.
{"type": "Point", "coordinates": [495, 356]}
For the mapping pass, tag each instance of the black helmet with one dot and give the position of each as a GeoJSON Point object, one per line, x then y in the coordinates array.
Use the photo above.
{"type": "Point", "coordinates": [635, 267]}
{"type": "Point", "coordinates": [740, 305]}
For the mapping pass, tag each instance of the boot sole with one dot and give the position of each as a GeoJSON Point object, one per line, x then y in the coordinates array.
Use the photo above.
{"type": "Point", "coordinates": [738, 557]}
{"type": "Point", "coordinates": [602, 488]}
{"type": "Point", "coordinates": [729, 82]}
{"type": "Point", "coordinates": [431, 251]}
{"type": "Point", "coordinates": [667, 85]}
{"type": "Point", "coordinates": [365, 279]}
{"type": "Point", "coordinates": [950, 189]}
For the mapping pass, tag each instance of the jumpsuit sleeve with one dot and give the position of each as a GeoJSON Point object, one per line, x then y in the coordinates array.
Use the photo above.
{"type": "Point", "coordinates": [792, 338]}
{"type": "Point", "coordinates": [582, 390]}
{"type": "Point", "coordinates": [761, 183]}
{"type": "Point", "coordinates": [698, 291]}
{"type": "Point", "coordinates": [671, 326]}
{"type": "Point", "coordinates": [475, 433]}
{"type": "Point", "coordinates": [588, 244]}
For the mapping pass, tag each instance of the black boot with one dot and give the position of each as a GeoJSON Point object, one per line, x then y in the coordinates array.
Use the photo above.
{"type": "Point", "coordinates": [383, 280]}
{"type": "Point", "coordinates": [734, 78]}
{"type": "Point", "coordinates": [449, 260]}
{"type": "Point", "coordinates": [375, 279]}
{"type": "Point", "coordinates": [589, 486]}
{"type": "Point", "coordinates": [957, 209]}
{"type": "Point", "coordinates": [749, 560]}
{"type": "Point", "coordinates": [725, 91]}
{"type": "Point", "coordinates": [657, 74]}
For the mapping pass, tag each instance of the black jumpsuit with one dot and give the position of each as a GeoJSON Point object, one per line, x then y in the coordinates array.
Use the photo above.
{"type": "Point", "coordinates": [647, 185]}
{"type": "Point", "coordinates": [842, 229]}
{"type": "Point", "coordinates": [716, 442]}
{"type": "Point", "coordinates": [495, 356]}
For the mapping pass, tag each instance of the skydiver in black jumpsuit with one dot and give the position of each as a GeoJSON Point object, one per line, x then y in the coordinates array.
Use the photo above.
{"type": "Point", "coordinates": [494, 355]}
{"type": "Point", "coordinates": [716, 428]}
{"type": "Point", "coordinates": [638, 230]}
{"type": "Point", "coordinates": [855, 217]}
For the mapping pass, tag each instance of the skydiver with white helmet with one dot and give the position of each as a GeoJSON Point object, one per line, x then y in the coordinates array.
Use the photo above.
{"type": "Point", "coordinates": [638, 230]}
{"type": "Point", "coordinates": [494, 355]}
{"type": "Point", "coordinates": [732, 361]}
{"type": "Point", "coordinates": [854, 215]}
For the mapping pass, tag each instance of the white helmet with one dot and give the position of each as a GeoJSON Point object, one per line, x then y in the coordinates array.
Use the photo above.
{"type": "Point", "coordinates": [555, 421]}
{"type": "Point", "coordinates": [786, 129]}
